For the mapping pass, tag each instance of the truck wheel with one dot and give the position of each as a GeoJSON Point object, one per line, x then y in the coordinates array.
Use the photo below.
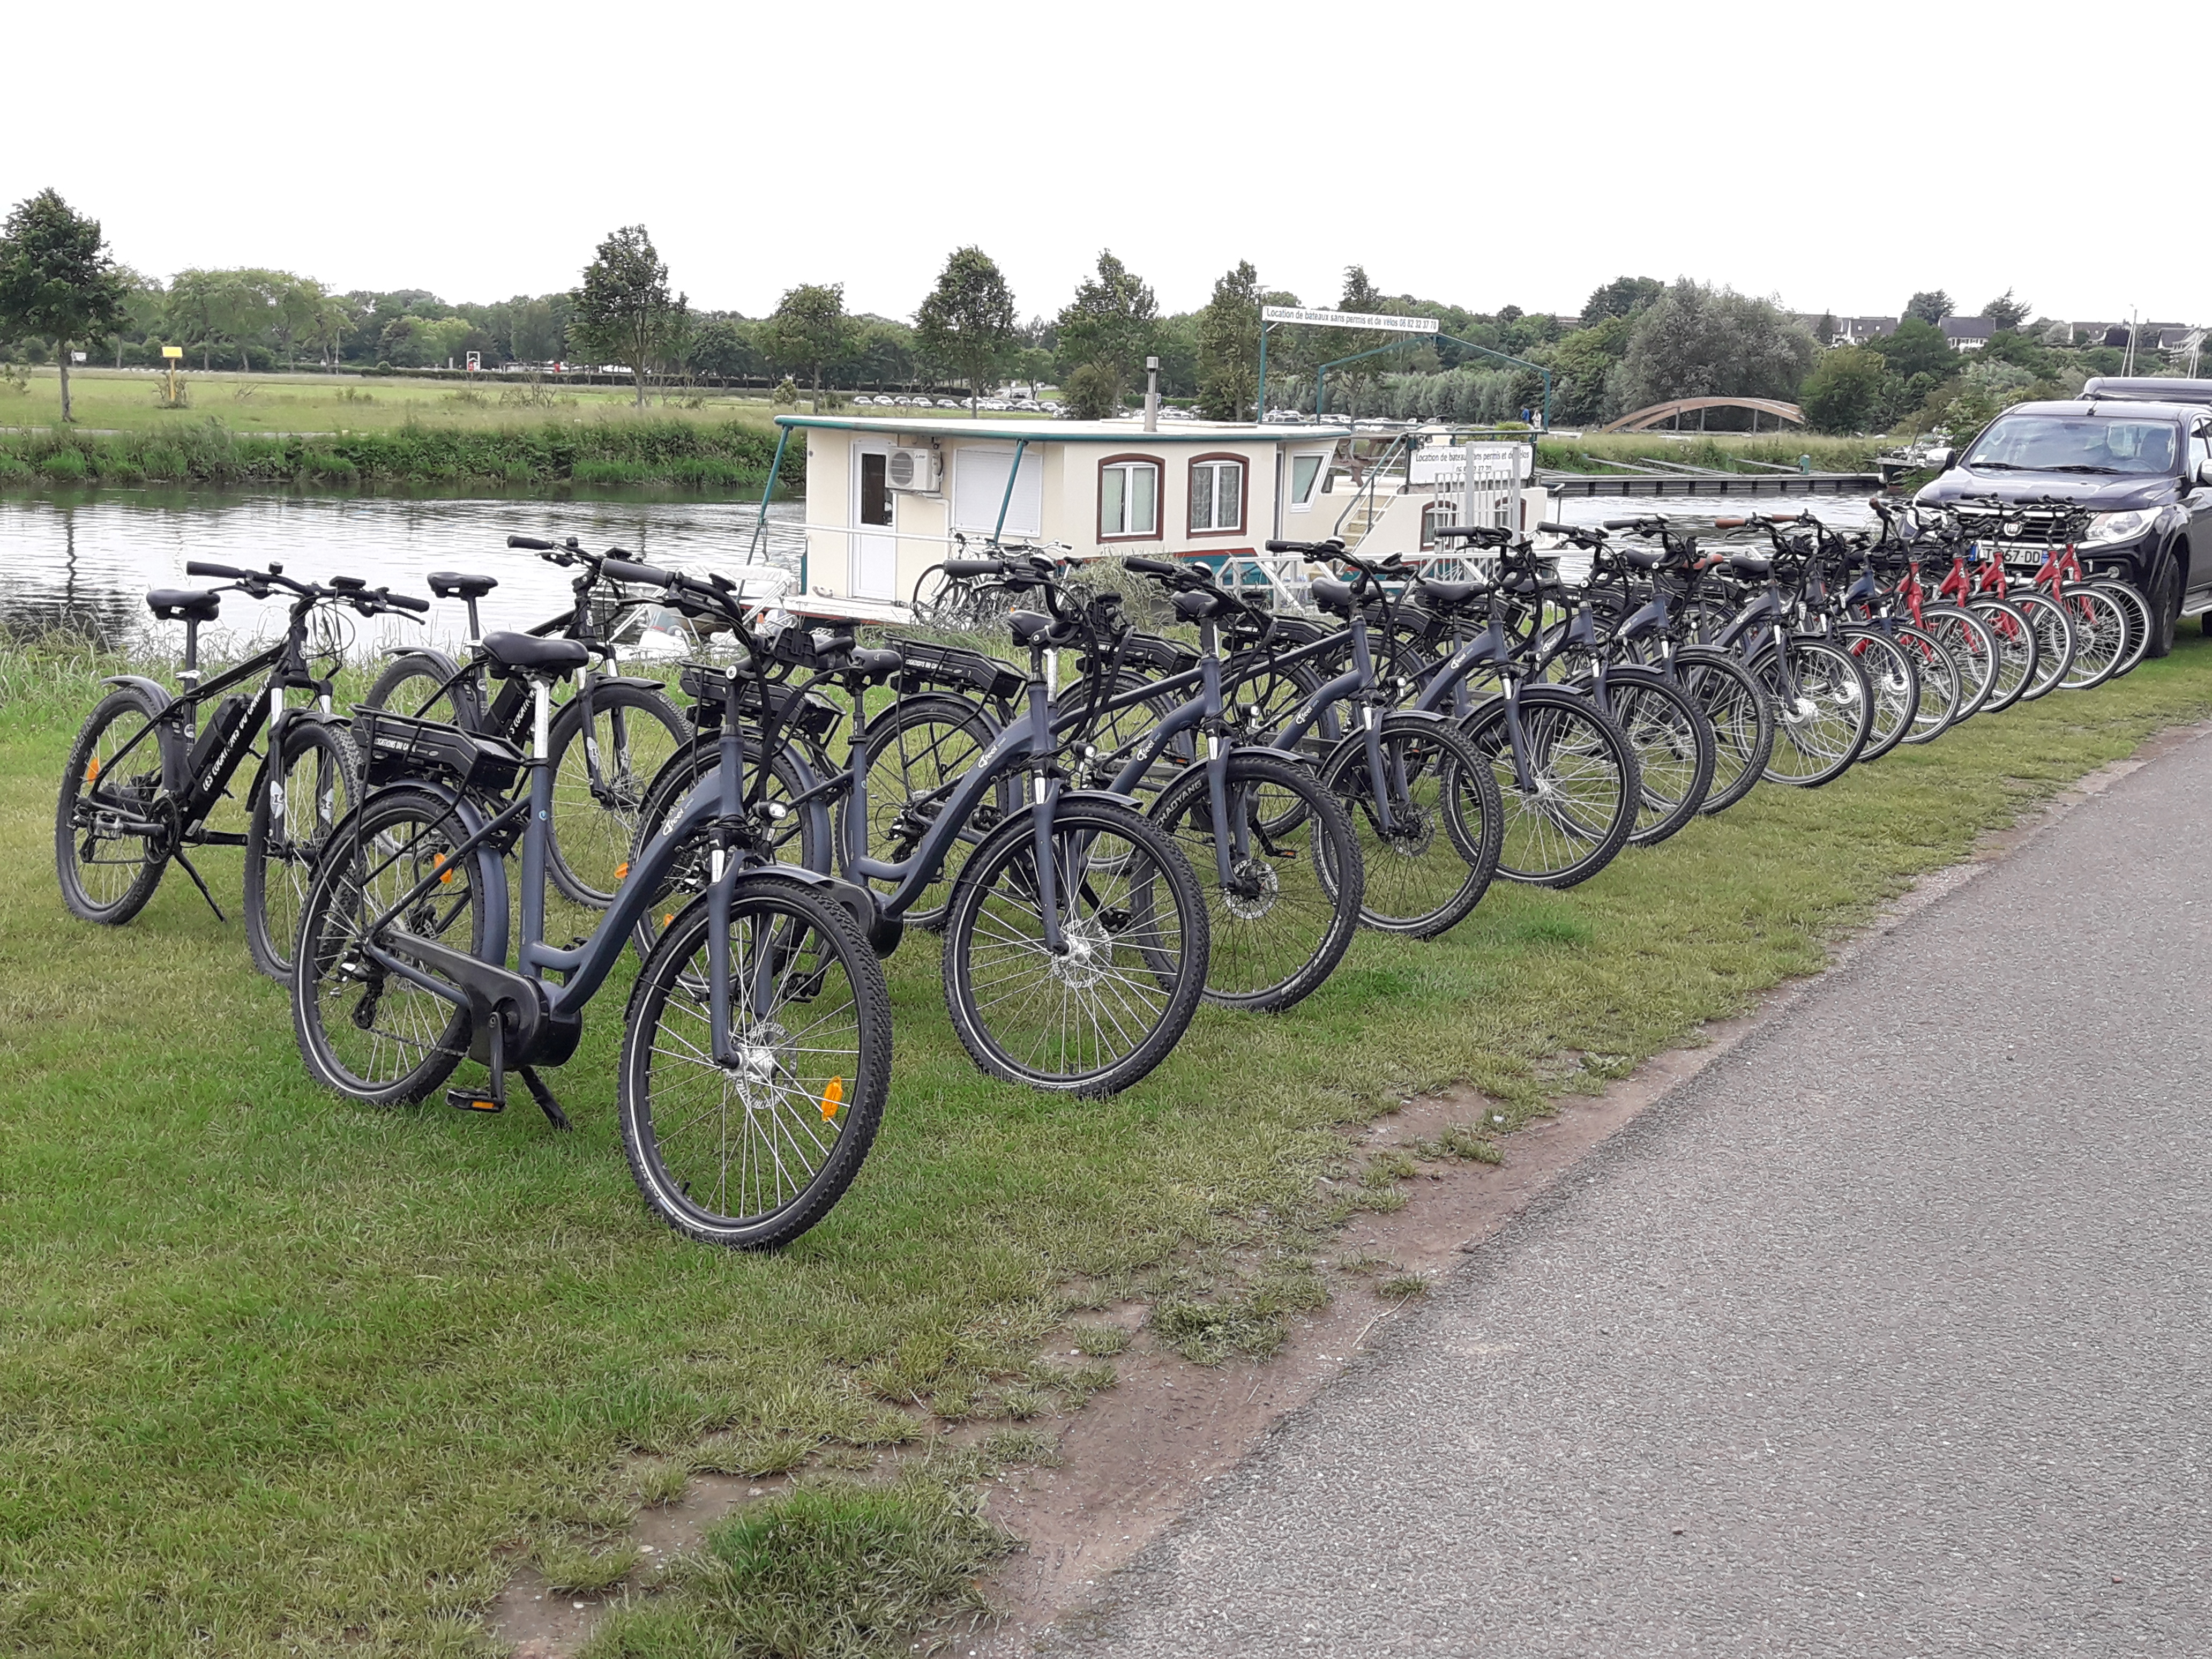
{"type": "Point", "coordinates": [2204, 621]}
{"type": "Point", "coordinates": [2165, 610]}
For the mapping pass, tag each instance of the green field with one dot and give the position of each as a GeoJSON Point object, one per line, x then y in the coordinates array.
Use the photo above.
{"type": "Point", "coordinates": [288, 1374]}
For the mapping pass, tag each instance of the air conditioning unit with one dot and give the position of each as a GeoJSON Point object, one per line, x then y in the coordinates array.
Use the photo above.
{"type": "Point", "coordinates": [911, 469]}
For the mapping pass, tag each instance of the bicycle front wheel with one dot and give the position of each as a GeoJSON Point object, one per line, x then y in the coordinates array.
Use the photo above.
{"type": "Point", "coordinates": [1674, 751]}
{"type": "Point", "coordinates": [1942, 690]}
{"type": "Point", "coordinates": [751, 1150]}
{"type": "Point", "coordinates": [1583, 789]}
{"type": "Point", "coordinates": [2019, 652]}
{"type": "Point", "coordinates": [1280, 923]}
{"type": "Point", "coordinates": [1823, 708]}
{"type": "Point", "coordinates": [298, 800]}
{"type": "Point", "coordinates": [1892, 689]}
{"type": "Point", "coordinates": [1429, 828]}
{"type": "Point", "coordinates": [1971, 645]}
{"type": "Point", "coordinates": [600, 774]}
{"type": "Point", "coordinates": [2100, 635]}
{"type": "Point", "coordinates": [2054, 643]}
{"type": "Point", "coordinates": [1741, 715]}
{"type": "Point", "coordinates": [2137, 608]}
{"type": "Point", "coordinates": [365, 1032]}
{"type": "Point", "coordinates": [1106, 1006]}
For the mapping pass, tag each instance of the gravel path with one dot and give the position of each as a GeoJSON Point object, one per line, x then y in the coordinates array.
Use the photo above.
{"type": "Point", "coordinates": [1890, 1333]}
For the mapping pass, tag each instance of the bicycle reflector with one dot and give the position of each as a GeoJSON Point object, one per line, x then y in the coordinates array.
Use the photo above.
{"type": "Point", "coordinates": [622, 869]}
{"type": "Point", "coordinates": [832, 1098]}
{"type": "Point", "coordinates": [92, 771]}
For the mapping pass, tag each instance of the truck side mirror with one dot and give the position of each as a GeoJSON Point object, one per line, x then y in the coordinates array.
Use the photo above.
{"type": "Point", "coordinates": [1943, 459]}
{"type": "Point", "coordinates": [2204, 473]}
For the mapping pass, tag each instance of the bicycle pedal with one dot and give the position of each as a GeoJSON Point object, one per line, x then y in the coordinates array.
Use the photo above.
{"type": "Point", "coordinates": [475, 1100]}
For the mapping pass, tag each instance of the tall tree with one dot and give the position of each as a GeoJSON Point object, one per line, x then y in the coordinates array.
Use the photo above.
{"type": "Point", "coordinates": [624, 307]}
{"type": "Point", "coordinates": [1229, 345]}
{"type": "Point", "coordinates": [1705, 342]}
{"type": "Point", "coordinates": [968, 318]}
{"type": "Point", "coordinates": [58, 279]}
{"type": "Point", "coordinates": [810, 328]}
{"type": "Point", "coordinates": [1929, 305]}
{"type": "Point", "coordinates": [1105, 331]}
{"type": "Point", "coordinates": [2006, 311]}
{"type": "Point", "coordinates": [1623, 296]}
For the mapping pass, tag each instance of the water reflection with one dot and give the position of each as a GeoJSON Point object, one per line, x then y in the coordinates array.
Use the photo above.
{"type": "Point", "coordinates": [83, 565]}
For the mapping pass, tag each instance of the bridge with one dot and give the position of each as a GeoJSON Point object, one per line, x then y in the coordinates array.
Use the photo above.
{"type": "Point", "coordinates": [1643, 420]}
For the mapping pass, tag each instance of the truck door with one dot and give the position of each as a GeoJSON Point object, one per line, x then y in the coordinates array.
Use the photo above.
{"type": "Point", "coordinates": [2197, 499]}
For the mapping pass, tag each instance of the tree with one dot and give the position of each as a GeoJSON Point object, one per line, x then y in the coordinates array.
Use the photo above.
{"type": "Point", "coordinates": [58, 279]}
{"type": "Point", "coordinates": [1108, 328]}
{"type": "Point", "coordinates": [968, 318]}
{"type": "Point", "coordinates": [623, 308]}
{"type": "Point", "coordinates": [1844, 390]}
{"type": "Point", "coordinates": [2006, 311]}
{"type": "Point", "coordinates": [1699, 342]}
{"type": "Point", "coordinates": [1918, 347]}
{"type": "Point", "coordinates": [1584, 366]}
{"type": "Point", "coordinates": [1229, 345]}
{"type": "Point", "coordinates": [1932, 306]}
{"type": "Point", "coordinates": [810, 328]}
{"type": "Point", "coordinates": [723, 350]}
{"type": "Point", "coordinates": [1623, 296]}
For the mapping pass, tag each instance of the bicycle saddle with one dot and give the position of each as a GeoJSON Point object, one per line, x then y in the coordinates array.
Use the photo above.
{"type": "Point", "coordinates": [1030, 626]}
{"type": "Point", "coordinates": [1332, 595]}
{"type": "Point", "coordinates": [184, 603]}
{"type": "Point", "coordinates": [454, 584]}
{"type": "Point", "coordinates": [1641, 558]}
{"type": "Point", "coordinates": [1193, 607]}
{"type": "Point", "coordinates": [1753, 565]}
{"type": "Point", "coordinates": [525, 653]}
{"type": "Point", "coordinates": [1447, 595]}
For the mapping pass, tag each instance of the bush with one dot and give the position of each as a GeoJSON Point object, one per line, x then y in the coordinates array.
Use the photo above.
{"type": "Point", "coordinates": [66, 466]}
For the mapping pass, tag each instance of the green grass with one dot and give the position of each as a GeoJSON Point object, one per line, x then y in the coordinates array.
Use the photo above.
{"type": "Point", "coordinates": [288, 1373]}
{"type": "Point", "coordinates": [1723, 450]}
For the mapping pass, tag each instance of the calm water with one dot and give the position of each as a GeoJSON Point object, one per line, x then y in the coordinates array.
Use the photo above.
{"type": "Point", "coordinates": [86, 564]}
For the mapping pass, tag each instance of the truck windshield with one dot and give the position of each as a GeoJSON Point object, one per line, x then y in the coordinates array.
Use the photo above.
{"type": "Point", "coordinates": [2075, 443]}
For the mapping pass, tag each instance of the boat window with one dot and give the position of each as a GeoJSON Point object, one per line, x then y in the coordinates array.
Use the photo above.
{"type": "Point", "coordinates": [2075, 443]}
{"type": "Point", "coordinates": [1217, 495]}
{"type": "Point", "coordinates": [1128, 498]}
{"type": "Point", "coordinates": [1305, 473]}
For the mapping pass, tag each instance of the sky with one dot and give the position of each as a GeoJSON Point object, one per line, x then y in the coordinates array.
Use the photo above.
{"type": "Point", "coordinates": [1838, 158]}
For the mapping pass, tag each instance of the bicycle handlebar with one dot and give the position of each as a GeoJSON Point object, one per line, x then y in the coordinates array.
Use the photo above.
{"type": "Point", "coordinates": [200, 567]}
{"type": "Point", "coordinates": [531, 543]}
{"type": "Point", "coordinates": [645, 576]}
{"type": "Point", "coordinates": [974, 567]}
{"type": "Point", "coordinates": [404, 601]}
{"type": "Point", "coordinates": [1329, 549]}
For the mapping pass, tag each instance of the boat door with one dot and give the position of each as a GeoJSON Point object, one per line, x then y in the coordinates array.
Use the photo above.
{"type": "Point", "coordinates": [873, 573]}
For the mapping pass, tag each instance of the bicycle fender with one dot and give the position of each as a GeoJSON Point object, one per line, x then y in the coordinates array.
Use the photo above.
{"type": "Point", "coordinates": [446, 667]}
{"type": "Point", "coordinates": [640, 681]}
{"type": "Point", "coordinates": [1110, 797]}
{"type": "Point", "coordinates": [153, 688]}
{"type": "Point", "coordinates": [883, 933]}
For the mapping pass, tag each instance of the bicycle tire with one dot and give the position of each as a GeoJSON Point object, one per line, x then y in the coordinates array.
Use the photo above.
{"type": "Point", "coordinates": [1892, 696]}
{"type": "Point", "coordinates": [915, 748]}
{"type": "Point", "coordinates": [596, 804]}
{"type": "Point", "coordinates": [121, 890]}
{"type": "Point", "coordinates": [2139, 621]}
{"type": "Point", "coordinates": [789, 1081]}
{"type": "Point", "coordinates": [396, 837]}
{"type": "Point", "coordinates": [1415, 881]}
{"type": "Point", "coordinates": [1812, 745]}
{"type": "Point", "coordinates": [1162, 930]}
{"type": "Point", "coordinates": [1968, 641]}
{"type": "Point", "coordinates": [2100, 635]}
{"type": "Point", "coordinates": [1675, 748]}
{"type": "Point", "coordinates": [2054, 643]}
{"type": "Point", "coordinates": [1575, 751]}
{"type": "Point", "coordinates": [1265, 951]}
{"type": "Point", "coordinates": [1941, 688]}
{"type": "Point", "coordinates": [315, 762]}
{"type": "Point", "coordinates": [2018, 651]}
{"type": "Point", "coordinates": [1741, 717]}
{"type": "Point", "coordinates": [411, 684]}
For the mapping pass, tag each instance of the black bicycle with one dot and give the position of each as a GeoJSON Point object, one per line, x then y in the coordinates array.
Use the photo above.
{"type": "Point", "coordinates": [609, 739]}
{"type": "Point", "coordinates": [146, 771]}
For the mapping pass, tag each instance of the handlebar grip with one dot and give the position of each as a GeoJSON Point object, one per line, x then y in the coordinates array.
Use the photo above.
{"type": "Point", "coordinates": [975, 567]}
{"type": "Point", "coordinates": [531, 543]}
{"type": "Point", "coordinates": [645, 576]}
{"type": "Point", "coordinates": [406, 602]}
{"type": "Point", "coordinates": [1622, 523]}
{"type": "Point", "coordinates": [1730, 524]}
{"type": "Point", "coordinates": [200, 567]}
{"type": "Point", "coordinates": [1552, 529]}
{"type": "Point", "coordinates": [1153, 567]}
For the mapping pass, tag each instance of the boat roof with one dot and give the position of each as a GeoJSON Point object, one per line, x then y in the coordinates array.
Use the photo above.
{"type": "Point", "coordinates": [1073, 432]}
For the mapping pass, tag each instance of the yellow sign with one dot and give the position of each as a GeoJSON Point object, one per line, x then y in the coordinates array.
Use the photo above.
{"type": "Point", "coordinates": [172, 351]}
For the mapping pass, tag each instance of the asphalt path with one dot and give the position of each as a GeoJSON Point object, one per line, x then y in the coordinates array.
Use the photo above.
{"type": "Point", "coordinates": [1889, 1334]}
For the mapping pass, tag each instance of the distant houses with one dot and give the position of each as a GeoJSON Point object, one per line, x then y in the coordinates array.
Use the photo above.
{"type": "Point", "coordinates": [1973, 333]}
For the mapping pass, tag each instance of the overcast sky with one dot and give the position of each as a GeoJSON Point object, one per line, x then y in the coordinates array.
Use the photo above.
{"type": "Point", "coordinates": [1839, 157]}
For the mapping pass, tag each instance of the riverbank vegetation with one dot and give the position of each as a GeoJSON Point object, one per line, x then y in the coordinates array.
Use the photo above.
{"type": "Point", "coordinates": [284, 1370]}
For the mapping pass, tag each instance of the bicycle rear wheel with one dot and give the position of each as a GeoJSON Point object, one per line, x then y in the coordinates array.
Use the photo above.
{"type": "Point", "coordinates": [113, 776]}
{"type": "Point", "coordinates": [415, 683]}
{"type": "Point", "coordinates": [1436, 860]}
{"type": "Point", "coordinates": [363, 1030]}
{"type": "Point", "coordinates": [1279, 927]}
{"type": "Point", "coordinates": [1097, 1014]}
{"type": "Point", "coordinates": [1823, 711]}
{"type": "Point", "coordinates": [1584, 787]}
{"type": "Point", "coordinates": [600, 776]}
{"type": "Point", "coordinates": [800, 839]}
{"type": "Point", "coordinates": [1674, 751]}
{"type": "Point", "coordinates": [301, 793]}
{"type": "Point", "coordinates": [917, 750]}
{"type": "Point", "coordinates": [751, 1154]}
{"type": "Point", "coordinates": [1741, 717]}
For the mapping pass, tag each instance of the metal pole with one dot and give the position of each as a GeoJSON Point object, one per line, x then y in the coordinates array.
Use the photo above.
{"type": "Point", "coordinates": [1260, 403]}
{"type": "Point", "coordinates": [760, 524]}
{"type": "Point", "coordinates": [1152, 395]}
{"type": "Point", "coordinates": [1012, 473]}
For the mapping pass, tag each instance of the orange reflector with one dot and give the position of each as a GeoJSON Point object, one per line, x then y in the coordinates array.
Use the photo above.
{"type": "Point", "coordinates": [832, 1098]}
{"type": "Point", "coordinates": [92, 772]}
{"type": "Point", "coordinates": [622, 869]}
{"type": "Point", "coordinates": [484, 1105]}
{"type": "Point", "coordinates": [445, 875]}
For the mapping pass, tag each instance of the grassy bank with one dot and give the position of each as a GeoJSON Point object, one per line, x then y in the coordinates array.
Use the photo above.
{"type": "Point", "coordinates": [1718, 449]}
{"type": "Point", "coordinates": [288, 1373]}
{"type": "Point", "coordinates": [598, 453]}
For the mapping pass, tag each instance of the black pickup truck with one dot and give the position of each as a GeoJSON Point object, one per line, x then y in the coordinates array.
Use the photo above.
{"type": "Point", "coordinates": [2136, 454]}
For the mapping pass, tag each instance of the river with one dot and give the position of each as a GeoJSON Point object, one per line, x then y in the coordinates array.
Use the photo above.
{"type": "Point", "coordinates": [84, 563]}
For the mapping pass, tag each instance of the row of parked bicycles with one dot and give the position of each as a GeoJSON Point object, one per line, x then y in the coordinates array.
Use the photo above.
{"type": "Point", "coordinates": [1165, 794]}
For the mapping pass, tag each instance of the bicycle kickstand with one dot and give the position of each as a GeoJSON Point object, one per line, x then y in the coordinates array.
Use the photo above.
{"type": "Point", "coordinates": [179, 855]}
{"type": "Point", "coordinates": [543, 1097]}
